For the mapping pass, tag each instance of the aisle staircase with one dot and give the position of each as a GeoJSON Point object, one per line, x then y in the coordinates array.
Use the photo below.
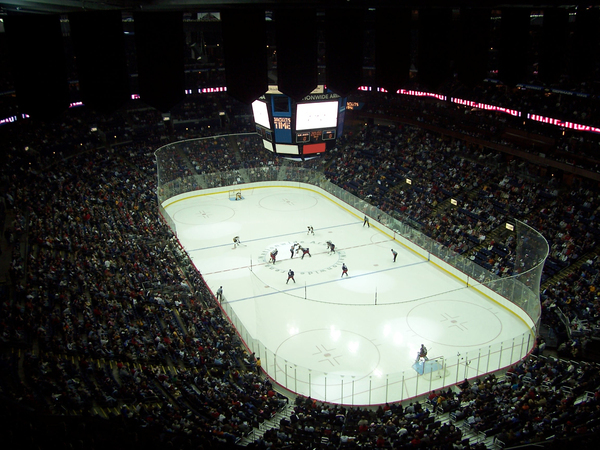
{"type": "Point", "coordinates": [272, 423]}
{"type": "Point", "coordinates": [563, 274]}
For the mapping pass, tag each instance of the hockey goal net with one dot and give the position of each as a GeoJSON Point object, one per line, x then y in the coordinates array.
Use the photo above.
{"type": "Point", "coordinates": [435, 368]}
{"type": "Point", "coordinates": [235, 194]}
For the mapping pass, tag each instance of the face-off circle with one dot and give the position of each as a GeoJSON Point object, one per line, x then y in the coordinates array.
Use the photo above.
{"type": "Point", "coordinates": [454, 322]}
{"type": "Point", "coordinates": [206, 215]}
{"type": "Point", "coordinates": [331, 351]}
{"type": "Point", "coordinates": [288, 202]}
{"type": "Point", "coordinates": [319, 261]}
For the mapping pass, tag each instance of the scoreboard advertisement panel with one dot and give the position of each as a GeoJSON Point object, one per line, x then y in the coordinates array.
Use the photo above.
{"type": "Point", "coordinates": [302, 137]}
{"type": "Point", "coordinates": [314, 148]}
{"type": "Point", "coordinates": [281, 106]}
{"type": "Point", "coordinates": [283, 129]}
{"type": "Point", "coordinates": [307, 127]}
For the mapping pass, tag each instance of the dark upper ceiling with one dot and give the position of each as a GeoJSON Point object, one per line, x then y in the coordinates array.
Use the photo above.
{"type": "Point", "coordinates": [66, 6]}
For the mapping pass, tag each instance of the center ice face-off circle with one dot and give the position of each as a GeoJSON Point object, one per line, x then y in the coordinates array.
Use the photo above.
{"type": "Point", "coordinates": [320, 258]}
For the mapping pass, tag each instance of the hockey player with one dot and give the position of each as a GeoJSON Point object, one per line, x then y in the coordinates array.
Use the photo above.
{"type": "Point", "coordinates": [394, 253]}
{"type": "Point", "coordinates": [344, 270]}
{"type": "Point", "coordinates": [305, 251]}
{"type": "Point", "coordinates": [331, 247]}
{"type": "Point", "coordinates": [236, 241]}
{"type": "Point", "coordinates": [422, 354]}
{"type": "Point", "coordinates": [290, 276]}
{"type": "Point", "coordinates": [366, 222]}
{"type": "Point", "coordinates": [273, 256]}
{"type": "Point", "coordinates": [311, 230]}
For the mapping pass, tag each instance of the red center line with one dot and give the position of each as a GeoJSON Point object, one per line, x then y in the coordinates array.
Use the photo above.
{"type": "Point", "coordinates": [265, 263]}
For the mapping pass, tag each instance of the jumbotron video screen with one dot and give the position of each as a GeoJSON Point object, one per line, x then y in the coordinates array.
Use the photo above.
{"type": "Point", "coordinates": [299, 129]}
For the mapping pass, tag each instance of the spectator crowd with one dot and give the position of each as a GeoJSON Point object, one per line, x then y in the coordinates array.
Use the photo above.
{"type": "Point", "coordinates": [105, 318]}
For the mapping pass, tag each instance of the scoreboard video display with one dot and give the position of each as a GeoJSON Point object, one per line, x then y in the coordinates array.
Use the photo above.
{"type": "Point", "coordinates": [308, 127]}
{"type": "Point", "coordinates": [261, 114]}
{"type": "Point", "coordinates": [317, 115]}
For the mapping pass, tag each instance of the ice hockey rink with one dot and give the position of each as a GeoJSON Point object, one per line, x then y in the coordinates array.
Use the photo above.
{"type": "Point", "coordinates": [351, 340]}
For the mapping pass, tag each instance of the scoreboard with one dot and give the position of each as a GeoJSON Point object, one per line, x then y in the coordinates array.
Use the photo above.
{"type": "Point", "coordinates": [308, 127]}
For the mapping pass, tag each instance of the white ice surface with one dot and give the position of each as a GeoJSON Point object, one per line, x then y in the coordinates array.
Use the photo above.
{"type": "Point", "coordinates": [349, 340]}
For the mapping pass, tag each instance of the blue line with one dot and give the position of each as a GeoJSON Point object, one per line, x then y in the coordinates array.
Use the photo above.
{"type": "Point", "coordinates": [325, 282]}
{"type": "Point", "coordinates": [270, 237]}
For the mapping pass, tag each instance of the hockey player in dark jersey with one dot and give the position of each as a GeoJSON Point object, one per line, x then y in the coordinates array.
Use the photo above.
{"type": "Point", "coordinates": [331, 247]}
{"type": "Point", "coordinates": [344, 270]}
{"type": "Point", "coordinates": [305, 251]}
{"type": "Point", "coordinates": [290, 276]}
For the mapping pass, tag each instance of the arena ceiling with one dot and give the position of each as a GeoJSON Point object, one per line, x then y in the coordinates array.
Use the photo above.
{"type": "Point", "coordinates": [66, 6]}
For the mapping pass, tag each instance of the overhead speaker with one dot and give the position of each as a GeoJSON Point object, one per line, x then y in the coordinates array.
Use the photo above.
{"type": "Point", "coordinates": [344, 37]}
{"type": "Point", "coordinates": [296, 41]}
{"type": "Point", "coordinates": [245, 51]}
{"type": "Point", "coordinates": [392, 47]}
{"type": "Point", "coordinates": [99, 48]}
{"type": "Point", "coordinates": [159, 43]}
{"type": "Point", "coordinates": [37, 53]}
